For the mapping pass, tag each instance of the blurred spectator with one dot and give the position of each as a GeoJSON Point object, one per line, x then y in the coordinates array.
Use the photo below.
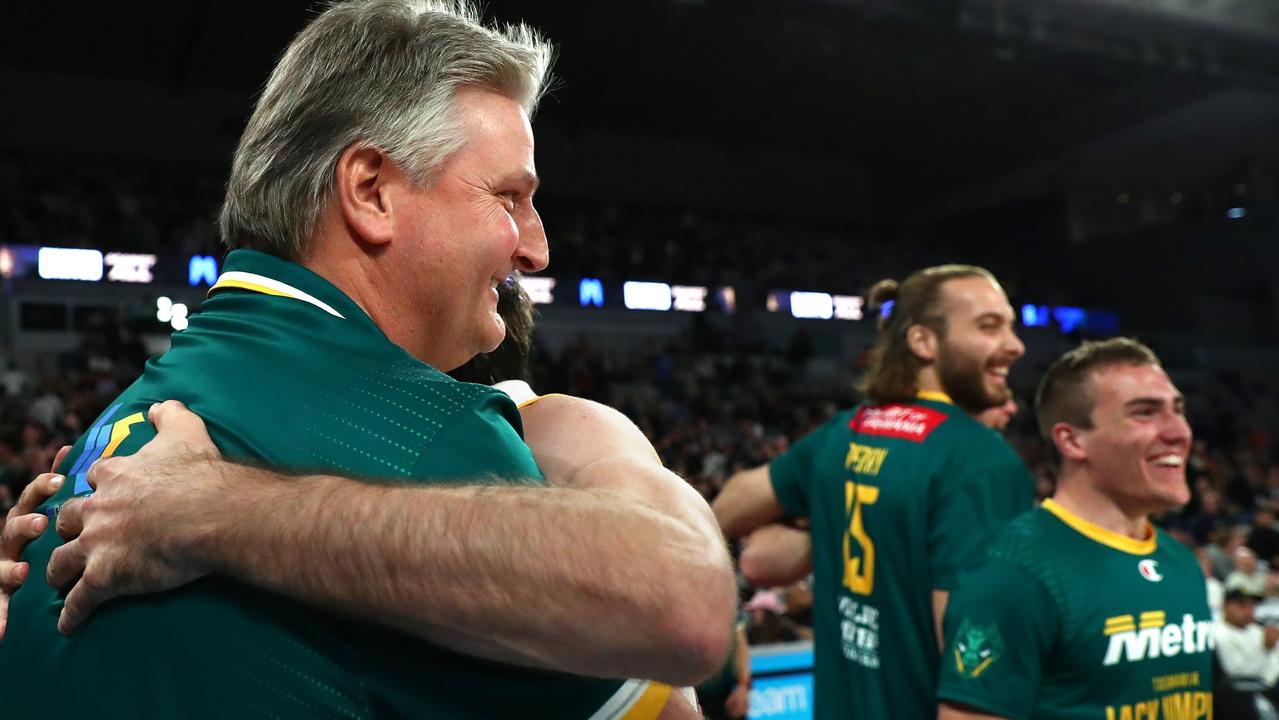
{"type": "Point", "coordinates": [1216, 590]}
{"type": "Point", "coordinates": [1264, 538]}
{"type": "Point", "coordinates": [1249, 576]}
{"type": "Point", "coordinates": [1247, 650]}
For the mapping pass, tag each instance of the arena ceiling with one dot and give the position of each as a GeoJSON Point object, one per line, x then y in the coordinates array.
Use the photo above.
{"type": "Point", "coordinates": [934, 102]}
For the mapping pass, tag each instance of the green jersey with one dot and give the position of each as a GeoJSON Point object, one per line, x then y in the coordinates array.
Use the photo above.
{"type": "Point", "coordinates": [288, 371]}
{"type": "Point", "coordinates": [1065, 620]}
{"type": "Point", "coordinates": [901, 499]}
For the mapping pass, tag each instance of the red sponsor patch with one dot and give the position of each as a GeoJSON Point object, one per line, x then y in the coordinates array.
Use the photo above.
{"type": "Point", "coordinates": [907, 422]}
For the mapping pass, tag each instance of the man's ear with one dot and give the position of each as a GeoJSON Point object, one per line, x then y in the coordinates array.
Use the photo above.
{"type": "Point", "coordinates": [362, 177]}
{"type": "Point", "coordinates": [922, 341]}
{"type": "Point", "coordinates": [1070, 441]}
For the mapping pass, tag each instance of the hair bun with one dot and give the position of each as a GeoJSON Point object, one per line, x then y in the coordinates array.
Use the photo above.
{"type": "Point", "coordinates": [880, 293]}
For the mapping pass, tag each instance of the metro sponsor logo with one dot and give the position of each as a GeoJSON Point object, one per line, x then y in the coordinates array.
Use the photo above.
{"type": "Point", "coordinates": [1153, 637]}
{"type": "Point", "coordinates": [905, 422]}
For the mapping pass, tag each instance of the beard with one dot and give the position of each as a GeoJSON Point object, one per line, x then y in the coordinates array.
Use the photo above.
{"type": "Point", "coordinates": [963, 378]}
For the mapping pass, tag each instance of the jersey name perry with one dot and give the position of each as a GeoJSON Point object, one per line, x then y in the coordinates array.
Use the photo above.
{"type": "Point", "coordinates": [905, 422]}
{"type": "Point", "coordinates": [1149, 636]}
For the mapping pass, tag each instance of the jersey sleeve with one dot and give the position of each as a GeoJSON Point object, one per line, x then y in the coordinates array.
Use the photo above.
{"type": "Point", "coordinates": [1000, 624]}
{"type": "Point", "coordinates": [791, 473]}
{"type": "Point", "coordinates": [480, 443]}
{"type": "Point", "coordinates": [966, 511]}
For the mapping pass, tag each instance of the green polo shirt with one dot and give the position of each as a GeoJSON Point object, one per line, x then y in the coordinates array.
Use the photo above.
{"type": "Point", "coordinates": [286, 371]}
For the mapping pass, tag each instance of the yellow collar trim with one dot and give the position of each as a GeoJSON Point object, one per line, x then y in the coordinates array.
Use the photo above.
{"type": "Point", "coordinates": [934, 396]}
{"type": "Point", "coordinates": [1097, 533]}
{"type": "Point", "coordinates": [268, 286]}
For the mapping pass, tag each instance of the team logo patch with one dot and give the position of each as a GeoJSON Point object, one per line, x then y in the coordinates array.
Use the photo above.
{"type": "Point", "coordinates": [906, 422]}
{"type": "Point", "coordinates": [976, 648]}
{"type": "Point", "coordinates": [1149, 569]}
{"type": "Point", "coordinates": [102, 441]}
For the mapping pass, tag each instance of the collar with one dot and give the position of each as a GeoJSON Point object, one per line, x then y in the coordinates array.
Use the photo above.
{"type": "Point", "coordinates": [1097, 533]}
{"type": "Point", "coordinates": [940, 397]}
{"type": "Point", "coordinates": [519, 391]}
{"type": "Point", "coordinates": [259, 272]}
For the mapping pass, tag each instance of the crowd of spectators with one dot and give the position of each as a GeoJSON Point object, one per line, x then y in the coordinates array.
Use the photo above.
{"type": "Point", "coordinates": [712, 410]}
{"type": "Point", "coordinates": [711, 405]}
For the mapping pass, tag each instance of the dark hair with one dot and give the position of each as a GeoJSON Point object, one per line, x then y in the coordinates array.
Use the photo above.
{"type": "Point", "coordinates": [1064, 393]}
{"type": "Point", "coordinates": [894, 371]}
{"type": "Point", "coordinates": [509, 361]}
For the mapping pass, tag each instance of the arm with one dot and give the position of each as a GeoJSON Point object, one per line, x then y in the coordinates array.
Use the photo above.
{"type": "Point", "coordinates": [470, 568]}
{"type": "Point", "coordinates": [950, 711]}
{"type": "Point", "coordinates": [747, 502]}
{"type": "Point", "coordinates": [737, 704]}
{"type": "Point", "coordinates": [618, 457]}
{"type": "Point", "coordinates": [939, 612]}
{"type": "Point", "coordinates": [777, 554]}
{"type": "Point", "coordinates": [22, 525]}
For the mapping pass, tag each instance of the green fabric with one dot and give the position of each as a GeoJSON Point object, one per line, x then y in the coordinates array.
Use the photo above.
{"type": "Point", "coordinates": [916, 491]}
{"type": "Point", "coordinates": [1037, 611]}
{"type": "Point", "coordinates": [280, 381]}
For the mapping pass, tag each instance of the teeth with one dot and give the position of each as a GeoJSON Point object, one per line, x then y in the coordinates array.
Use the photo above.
{"type": "Point", "coordinates": [1000, 371]}
{"type": "Point", "coordinates": [1169, 460]}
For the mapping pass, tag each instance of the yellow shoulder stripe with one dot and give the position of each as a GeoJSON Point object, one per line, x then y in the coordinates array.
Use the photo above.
{"type": "Point", "coordinates": [934, 396]}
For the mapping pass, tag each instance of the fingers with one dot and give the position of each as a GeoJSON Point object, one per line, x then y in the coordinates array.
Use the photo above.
{"type": "Point", "coordinates": [18, 532]}
{"type": "Point", "coordinates": [70, 522]}
{"type": "Point", "coordinates": [172, 418]}
{"type": "Point", "coordinates": [65, 564]}
{"type": "Point", "coordinates": [36, 492]}
{"type": "Point", "coordinates": [12, 574]}
{"type": "Point", "coordinates": [57, 459]}
{"type": "Point", "coordinates": [79, 605]}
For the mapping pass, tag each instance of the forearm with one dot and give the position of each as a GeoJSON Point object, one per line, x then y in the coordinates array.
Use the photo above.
{"type": "Point", "coordinates": [746, 502]}
{"type": "Point", "coordinates": [574, 580]}
{"type": "Point", "coordinates": [776, 554]}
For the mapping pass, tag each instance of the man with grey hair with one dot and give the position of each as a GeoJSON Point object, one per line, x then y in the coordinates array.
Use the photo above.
{"type": "Point", "coordinates": [381, 191]}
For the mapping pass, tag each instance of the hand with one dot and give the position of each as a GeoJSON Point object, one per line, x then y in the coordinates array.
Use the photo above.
{"type": "Point", "coordinates": [21, 526]}
{"type": "Point", "coordinates": [1272, 636]}
{"type": "Point", "coordinates": [129, 537]}
{"type": "Point", "coordinates": [737, 704]}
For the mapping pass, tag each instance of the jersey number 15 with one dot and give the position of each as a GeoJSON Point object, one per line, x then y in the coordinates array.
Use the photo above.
{"type": "Point", "coordinates": [859, 572]}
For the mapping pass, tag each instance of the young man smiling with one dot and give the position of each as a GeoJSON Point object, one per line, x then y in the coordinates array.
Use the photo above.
{"type": "Point", "coordinates": [1082, 608]}
{"type": "Point", "coordinates": [902, 492]}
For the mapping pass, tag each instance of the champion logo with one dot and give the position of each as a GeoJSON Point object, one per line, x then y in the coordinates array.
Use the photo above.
{"type": "Point", "coordinates": [1149, 569]}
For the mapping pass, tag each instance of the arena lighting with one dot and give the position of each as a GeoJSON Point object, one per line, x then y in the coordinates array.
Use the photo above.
{"type": "Point", "coordinates": [689, 298]}
{"type": "Point", "coordinates": [849, 307]}
{"type": "Point", "coordinates": [70, 264]}
{"type": "Point", "coordinates": [590, 291]}
{"type": "Point", "coordinates": [727, 299]}
{"type": "Point", "coordinates": [6, 262]}
{"type": "Point", "coordinates": [1069, 318]}
{"type": "Point", "coordinates": [812, 305]}
{"type": "Point", "coordinates": [167, 311]}
{"type": "Point", "coordinates": [540, 289]}
{"type": "Point", "coordinates": [130, 267]}
{"type": "Point", "coordinates": [202, 270]}
{"type": "Point", "coordinates": [646, 295]}
{"type": "Point", "coordinates": [1236, 213]}
{"type": "Point", "coordinates": [1034, 315]}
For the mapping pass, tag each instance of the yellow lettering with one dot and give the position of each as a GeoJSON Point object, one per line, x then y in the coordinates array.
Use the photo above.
{"type": "Point", "coordinates": [864, 460]}
{"type": "Point", "coordinates": [1203, 705]}
{"type": "Point", "coordinates": [859, 572]}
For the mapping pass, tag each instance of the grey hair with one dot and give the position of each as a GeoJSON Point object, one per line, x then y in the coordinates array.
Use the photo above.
{"type": "Point", "coordinates": [380, 73]}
